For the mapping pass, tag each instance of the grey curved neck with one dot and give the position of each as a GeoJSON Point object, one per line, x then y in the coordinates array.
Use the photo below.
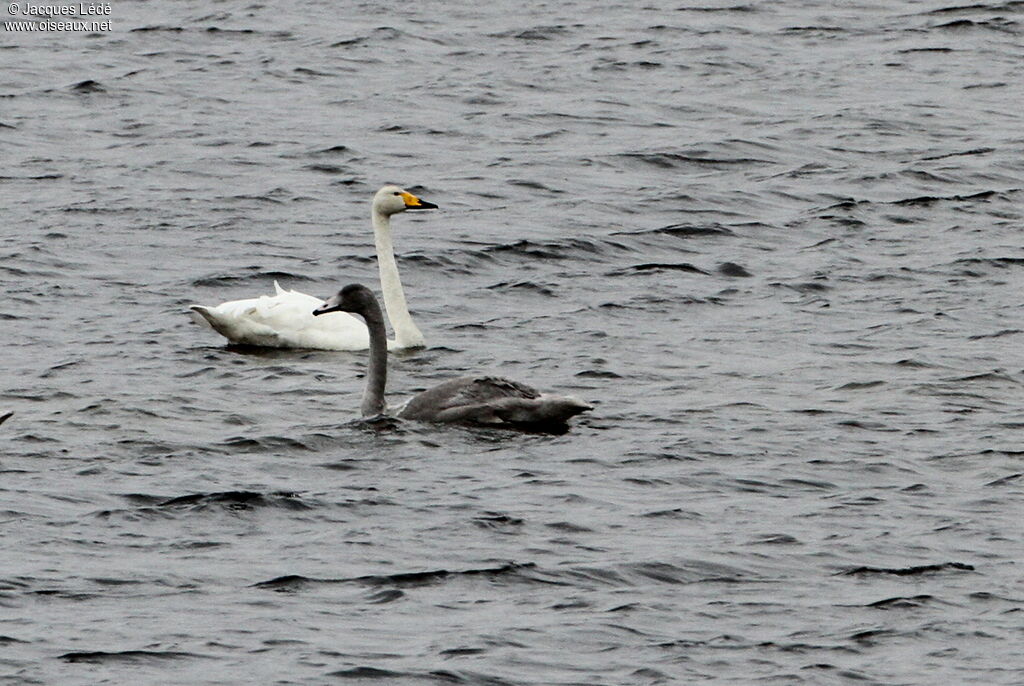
{"type": "Point", "coordinates": [377, 368]}
{"type": "Point", "coordinates": [406, 333]}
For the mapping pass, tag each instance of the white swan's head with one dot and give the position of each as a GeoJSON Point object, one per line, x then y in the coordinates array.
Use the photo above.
{"type": "Point", "coordinates": [392, 200]}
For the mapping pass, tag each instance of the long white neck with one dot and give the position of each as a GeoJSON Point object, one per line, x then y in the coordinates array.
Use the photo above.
{"type": "Point", "coordinates": [406, 333]}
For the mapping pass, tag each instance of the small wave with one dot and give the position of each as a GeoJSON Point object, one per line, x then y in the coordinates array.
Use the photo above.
{"type": "Point", "coordinates": [294, 582]}
{"type": "Point", "coordinates": [659, 267]}
{"type": "Point", "coordinates": [523, 286]}
{"type": "Point", "coordinates": [441, 676]}
{"type": "Point", "coordinates": [237, 500]}
{"type": "Point", "coordinates": [569, 248]}
{"type": "Point", "coordinates": [865, 425]}
{"type": "Point", "coordinates": [536, 33]}
{"type": "Point", "coordinates": [349, 43]}
{"type": "Point", "coordinates": [11, 584]}
{"type": "Point", "coordinates": [727, 641]}
{"type": "Point", "coordinates": [249, 444]}
{"type": "Point", "coordinates": [327, 169]}
{"type": "Point", "coordinates": [455, 263]}
{"type": "Point", "coordinates": [332, 151]}
{"type": "Point", "coordinates": [456, 652]}
{"type": "Point", "coordinates": [926, 200]}
{"type": "Point", "coordinates": [984, 376]}
{"type": "Point", "coordinates": [65, 594]}
{"type": "Point", "coordinates": [872, 637]}
{"type": "Point", "coordinates": [387, 595]}
{"type": "Point", "coordinates": [809, 483]}
{"type": "Point", "coordinates": [365, 673]}
{"type": "Point", "coordinates": [684, 231]}
{"type": "Point", "coordinates": [775, 539]}
{"type": "Point", "coordinates": [598, 374]}
{"type": "Point", "coordinates": [511, 570]}
{"type": "Point", "coordinates": [975, 151]}
{"type": "Point", "coordinates": [990, 84]}
{"type": "Point", "coordinates": [994, 24]}
{"type": "Point", "coordinates": [264, 278]}
{"type": "Point", "coordinates": [497, 521]}
{"type": "Point", "coordinates": [731, 8]}
{"type": "Point", "coordinates": [910, 571]}
{"type": "Point", "coordinates": [307, 71]}
{"type": "Point", "coordinates": [903, 602]}
{"type": "Point", "coordinates": [674, 513]}
{"type": "Point", "coordinates": [1011, 479]}
{"type": "Point", "coordinates": [908, 51]}
{"type": "Point", "coordinates": [404, 130]}
{"type": "Point", "coordinates": [1011, 6]}
{"type": "Point", "coordinates": [217, 29]}
{"type": "Point", "coordinates": [675, 160]}
{"type": "Point", "coordinates": [914, 364]}
{"type": "Point", "coordinates": [815, 29]}
{"type": "Point", "coordinates": [40, 177]}
{"type": "Point", "coordinates": [534, 185]}
{"type": "Point", "coordinates": [260, 197]}
{"type": "Point", "coordinates": [569, 527]}
{"type": "Point", "coordinates": [804, 287]}
{"type": "Point", "coordinates": [619, 65]}
{"type": "Point", "coordinates": [998, 262]}
{"type": "Point", "coordinates": [860, 385]}
{"type": "Point", "coordinates": [88, 86]}
{"type": "Point", "coordinates": [130, 656]}
{"type": "Point", "coordinates": [642, 573]}
{"type": "Point", "coordinates": [156, 28]}
{"type": "Point", "coordinates": [997, 334]}
{"type": "Point", "coordinates": [733, 269]}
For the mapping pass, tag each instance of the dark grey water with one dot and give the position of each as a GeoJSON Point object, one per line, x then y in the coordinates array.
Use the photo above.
{"type": "Point", "coordinates": [777, 244]}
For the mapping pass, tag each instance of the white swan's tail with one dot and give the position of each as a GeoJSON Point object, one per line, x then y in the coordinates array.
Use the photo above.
{"type": "Point", "coordinates": [232, 327]}
{"type": "Point", "coordinates": [236, 329]}
{"type": "Point", "coordinates": [201, 315]}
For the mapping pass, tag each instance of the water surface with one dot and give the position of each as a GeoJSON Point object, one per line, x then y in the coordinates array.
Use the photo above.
{"type": "Point", "coordinates": [777, 247]}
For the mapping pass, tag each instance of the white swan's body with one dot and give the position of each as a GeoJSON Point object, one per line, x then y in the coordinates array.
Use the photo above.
{"type": "Point", "coordinates": [479, 400]}
{"type": "Point", "coordinates": [285, 319]}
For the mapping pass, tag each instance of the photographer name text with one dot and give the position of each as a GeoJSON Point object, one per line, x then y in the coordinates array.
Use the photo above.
{"type": "Point", "coordinates": [76, 14]}
{"type": "Point", "coordinates": [82, 9]}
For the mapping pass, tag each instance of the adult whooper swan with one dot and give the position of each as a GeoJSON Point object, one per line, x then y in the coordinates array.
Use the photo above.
{"type": "Point", "coordinates": [285, 319]}
{"type": "Point", "coordinates": [481, 400]}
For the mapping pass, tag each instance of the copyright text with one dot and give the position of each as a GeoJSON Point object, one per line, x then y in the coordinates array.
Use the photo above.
{"type": "Point", "coordinates": [71, 17]}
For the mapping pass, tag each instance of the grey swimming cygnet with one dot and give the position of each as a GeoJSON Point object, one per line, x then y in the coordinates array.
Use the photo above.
{"type": "Point", "coordinates": [485, 400]}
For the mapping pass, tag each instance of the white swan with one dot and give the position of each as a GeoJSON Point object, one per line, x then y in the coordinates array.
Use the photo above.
{"type": "Point", "coordinates": [285, 319]}
{"type": "Point", "coordinates": [480, 400]}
